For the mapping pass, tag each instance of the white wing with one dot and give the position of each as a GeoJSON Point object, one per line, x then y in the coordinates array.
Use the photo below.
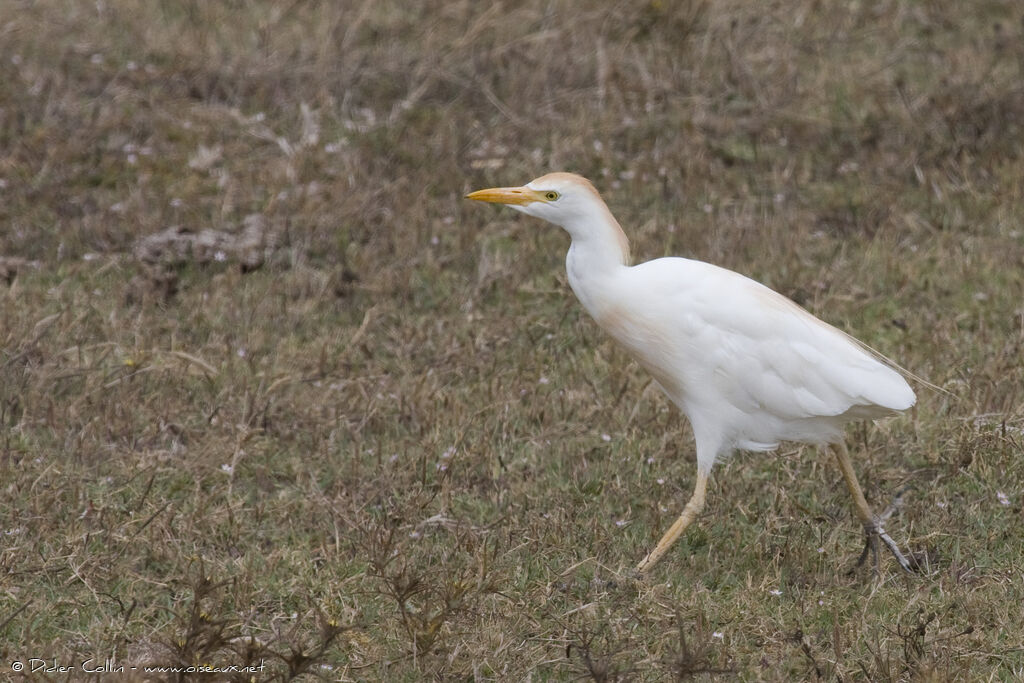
{"type": "Point", "coordinates": [742, 359]}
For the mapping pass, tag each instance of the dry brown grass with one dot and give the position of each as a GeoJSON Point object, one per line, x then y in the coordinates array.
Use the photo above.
{"type": "Point", "coordinates": [393, 447]}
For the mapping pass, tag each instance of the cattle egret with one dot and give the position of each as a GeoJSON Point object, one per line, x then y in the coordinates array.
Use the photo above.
{"type": "Point", "coordinates": [747, 366]}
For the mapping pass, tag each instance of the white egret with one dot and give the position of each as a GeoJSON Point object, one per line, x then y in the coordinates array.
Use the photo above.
{"type": "Point", "coordinates": [747, 366]}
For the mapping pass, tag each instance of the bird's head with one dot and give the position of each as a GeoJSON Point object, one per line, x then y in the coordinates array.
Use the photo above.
{"type": "Point", "coordinates": [559, 198]}
{"type": "Point", "coordinates": [570, 201]}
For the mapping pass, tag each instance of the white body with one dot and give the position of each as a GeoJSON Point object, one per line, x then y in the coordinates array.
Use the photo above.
{"type": "Point", "coordinates": [747, 366]}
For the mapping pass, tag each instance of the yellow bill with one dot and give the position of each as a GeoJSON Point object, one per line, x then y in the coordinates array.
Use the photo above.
{"type": "Point", "coordinates": [507, 195]}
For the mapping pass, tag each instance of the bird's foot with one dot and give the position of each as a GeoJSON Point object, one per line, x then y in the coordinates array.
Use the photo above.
{"type": "Point", "coordinates": [873, 531]}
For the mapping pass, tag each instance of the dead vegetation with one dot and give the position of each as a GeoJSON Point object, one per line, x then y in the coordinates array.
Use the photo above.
{"type": "Point", "coordinates": [271, 391]}
{"type": "Point", "coordinates": [178, 246]}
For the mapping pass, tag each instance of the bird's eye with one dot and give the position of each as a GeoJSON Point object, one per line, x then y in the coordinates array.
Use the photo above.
{"type": "Point", "coordinates": [551, 195]}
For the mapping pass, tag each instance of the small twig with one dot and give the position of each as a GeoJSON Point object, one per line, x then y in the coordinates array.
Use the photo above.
{"type": "Point", "coordinates": [14, 614]}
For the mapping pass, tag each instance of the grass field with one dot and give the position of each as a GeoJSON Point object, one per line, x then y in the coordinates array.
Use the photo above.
{"type": "Point", "coordinates": [361, 430]}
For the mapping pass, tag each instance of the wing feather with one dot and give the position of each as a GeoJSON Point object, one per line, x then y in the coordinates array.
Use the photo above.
{"type": "Point", "coordinates": [715, 333]}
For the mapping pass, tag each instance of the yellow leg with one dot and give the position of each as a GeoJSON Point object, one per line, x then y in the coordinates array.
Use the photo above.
{"type": "Point", "coordinates": [859, 502]}
{"type": "Point", "coordinates": [872, 524]}
{"type": "Point", "coordinates": [690, 512]}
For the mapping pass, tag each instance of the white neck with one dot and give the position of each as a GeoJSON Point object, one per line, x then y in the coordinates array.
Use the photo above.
{"type": "Point", "coordinates": [599, 250]}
